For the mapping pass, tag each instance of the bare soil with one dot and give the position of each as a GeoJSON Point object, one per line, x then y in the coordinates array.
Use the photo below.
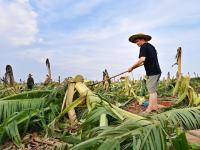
{"type": "Point", "coordinates": [136, 108]}
{"type": "Point", "coordinates": [193, 136]}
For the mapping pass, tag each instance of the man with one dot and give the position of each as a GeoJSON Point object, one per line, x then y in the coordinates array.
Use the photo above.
{"type": "Point", "coordinates": [148, 58]}
{"type": "Point", "coordinates": [30, 82]}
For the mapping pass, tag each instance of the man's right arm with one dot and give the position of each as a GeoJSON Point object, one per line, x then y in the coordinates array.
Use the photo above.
{"type": "Point", "coordinates": [137, 64]}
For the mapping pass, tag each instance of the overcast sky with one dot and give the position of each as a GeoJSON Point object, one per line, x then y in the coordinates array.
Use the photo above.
{"type": "Point", "coordinates": [87, 36]}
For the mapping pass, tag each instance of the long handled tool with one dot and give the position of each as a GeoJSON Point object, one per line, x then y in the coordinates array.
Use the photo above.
{"type": "Point", "coordinates": [109, 78]}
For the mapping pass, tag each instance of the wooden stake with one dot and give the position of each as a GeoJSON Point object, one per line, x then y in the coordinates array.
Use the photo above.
{"type": "Point", "coordinates": [49, 68]}
{"type": "Point", "coordinates": [168, 76]}
{"type": "Point", "coordinates": [9, 77]}
{"type": "Point", "coordinates": [179, 52]}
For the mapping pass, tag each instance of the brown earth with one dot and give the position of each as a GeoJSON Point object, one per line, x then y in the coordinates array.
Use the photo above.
{"type": "Point", "coordinates": [193, 136]}
{"type": "Point", "coordinates": [136, 108]}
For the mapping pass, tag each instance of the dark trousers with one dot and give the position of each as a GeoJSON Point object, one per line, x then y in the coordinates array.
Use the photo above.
{"type": "Point", "coordinates": [30, 87]}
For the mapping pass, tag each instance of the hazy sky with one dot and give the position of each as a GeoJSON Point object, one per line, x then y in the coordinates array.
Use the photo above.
{"type": "Point", "coordinates": [87, 36]}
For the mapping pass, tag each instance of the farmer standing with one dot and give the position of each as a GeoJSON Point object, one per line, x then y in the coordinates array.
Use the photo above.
{"type": "Point", "coordinates": [30, 82]}
{"type": "Point", "coordinates": [148, 58]}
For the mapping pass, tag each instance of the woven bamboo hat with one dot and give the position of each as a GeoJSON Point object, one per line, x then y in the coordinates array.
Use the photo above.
{"type": "Point", "coordinates": [146, 37]}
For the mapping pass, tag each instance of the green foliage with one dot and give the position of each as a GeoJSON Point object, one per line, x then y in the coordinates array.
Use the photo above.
{"type": "Point", "coordinates": [123, 91]}
{"type": "Point", "coordinates": [165, 87]}
{"type": "Point", "coordinates": [8, 107]}
{"type": "Point", "coordinates": [137, 134]}
{"type": "Point", "coordinates": [185, 92]}
{"type": "Point", "coordinates": [40, 109]}
{"type": "Point", "coordinates": [7, 91]}
{"type": "Point", "coordinates": [194, 82]}
{"type": "Point", "coordinates": [188, 118]}
{"type": "Point", "coordinates": [194, 146]}
{"type": "Point", "coordinates": [141, 89]}
{"type": "Point", "coordinates": [180, 141]}
{"type": "Point", "coordinates": [27, 119]}
{"type": "Point", "coordinates": [18, 102]}
{"type": "Point", "coordinates": [20, 111]}
{"type": "Point", "coordinates": [29, 95]}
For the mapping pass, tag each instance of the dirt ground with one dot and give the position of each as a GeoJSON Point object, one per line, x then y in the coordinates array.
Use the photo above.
{"type": "Point", "coordinates": [136, 108]}
{"type": "Point", "coordinates": [193, 136]}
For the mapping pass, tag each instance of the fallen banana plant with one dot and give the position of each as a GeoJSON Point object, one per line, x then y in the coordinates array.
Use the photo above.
{"type": "Point", "coordinates": [29, 94]}
{"type": "Point", "coordinates": [136, 135]}
{"type": "Point", "coordinates": [185, 92]}
{"type": "Point", "coordinates": [130, 134]}
{"type": "Point", "coordinates": [7, 91]}
{"type": "Point", "coordinates": [128, 88]}
{"type": "Point", "coordinates": [188, 118]}
{"type": "Point", "coordinates": [18, 102]}
{"type": "Point", "coordinates": [100, 111]}
{"type": "Point", "coordinates": [103, 125]}
{"type": "Point", "coordinates": [18, 121]}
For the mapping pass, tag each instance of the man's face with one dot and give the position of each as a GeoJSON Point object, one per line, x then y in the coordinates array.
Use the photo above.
{"type": "Point", "coordinates": [139, 42]}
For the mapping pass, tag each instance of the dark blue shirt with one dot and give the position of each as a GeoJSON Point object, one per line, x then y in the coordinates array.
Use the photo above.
{"type": "Point", "coordinates": [151, 64]}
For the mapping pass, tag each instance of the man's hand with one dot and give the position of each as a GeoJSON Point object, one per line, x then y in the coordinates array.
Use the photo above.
{"type": "Point", "coordinates": [130, 69]}
{"type": "Point", "coordinates": [138, 63]}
